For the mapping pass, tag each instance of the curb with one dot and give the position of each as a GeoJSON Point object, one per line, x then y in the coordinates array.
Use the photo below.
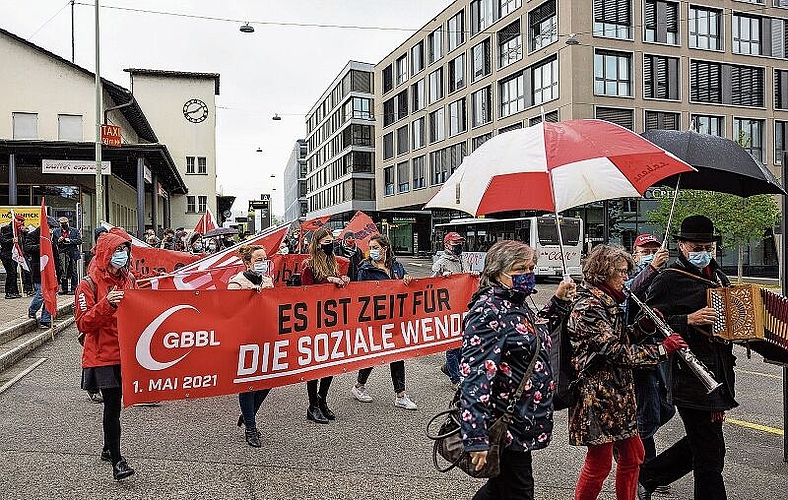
{"type": "Point", "coordinates": [27, 327]}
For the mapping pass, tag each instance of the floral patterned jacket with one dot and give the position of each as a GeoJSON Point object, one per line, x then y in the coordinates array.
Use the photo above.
{"type": "Point", "coordinates": [603, 353]}
{"type": "Point", "coordinates": [498, 344]}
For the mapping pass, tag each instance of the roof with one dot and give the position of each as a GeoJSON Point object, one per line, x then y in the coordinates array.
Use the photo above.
{"type": "Point", "coordinates": [120, 95]}
{"type": "Point", "coordinates": [176, 74]}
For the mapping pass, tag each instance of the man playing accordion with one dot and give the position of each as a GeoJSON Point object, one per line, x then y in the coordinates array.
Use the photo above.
{"type": "Point", "coordinates": [679, 293]}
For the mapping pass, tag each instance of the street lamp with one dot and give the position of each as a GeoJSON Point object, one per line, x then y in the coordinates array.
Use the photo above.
{"type": "Point", "coordinates": [259, 150]}
{"type": "Point", "coordinates": [276, 117]}
{"type": "Point", "coordinates": [246, 28]}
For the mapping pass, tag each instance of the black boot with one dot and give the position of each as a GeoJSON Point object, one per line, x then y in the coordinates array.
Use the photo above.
{"type": "Point", "coordinates": [315, 415]}
{"type": "Point", "coordinates": [121, 470]}
{"type": "Point", "coordinates": [253, 438]}
{"type": "Point", "coordinates": [106, 456]}
{"type": "Point", "coordinates": [240, 421]}
{"type": "Point", "coordinates": [321, 403]}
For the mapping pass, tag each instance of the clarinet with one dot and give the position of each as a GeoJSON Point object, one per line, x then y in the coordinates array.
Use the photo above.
{"type": "Point", "coordinates": [695, 365]}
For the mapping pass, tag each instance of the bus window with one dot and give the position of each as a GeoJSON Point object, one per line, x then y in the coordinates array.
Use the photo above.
{"type": "Point", "coordinates": [570, 231]}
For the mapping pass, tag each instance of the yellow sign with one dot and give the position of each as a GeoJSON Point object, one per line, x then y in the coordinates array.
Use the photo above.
{"type": "Point", "coordinates": [32, 215]}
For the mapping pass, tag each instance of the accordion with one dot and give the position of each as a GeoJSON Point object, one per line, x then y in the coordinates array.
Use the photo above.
{"type": "Point", "coordinates": [752, 315]}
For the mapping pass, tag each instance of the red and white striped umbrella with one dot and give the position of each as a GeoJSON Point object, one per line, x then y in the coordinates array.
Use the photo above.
{"type": "Point", "coordinates": [556, 166]}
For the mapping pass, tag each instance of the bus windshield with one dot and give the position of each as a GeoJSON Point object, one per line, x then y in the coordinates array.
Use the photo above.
{"type": "Point", "coordinates": [570, 231]}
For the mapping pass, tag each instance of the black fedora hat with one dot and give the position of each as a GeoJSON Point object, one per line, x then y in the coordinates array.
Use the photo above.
{"type": "Point", "coordinates": [696, 228]}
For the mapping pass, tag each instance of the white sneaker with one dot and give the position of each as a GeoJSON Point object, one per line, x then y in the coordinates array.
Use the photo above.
{"type": "Point", "coordinates": [360, 393]}
{"type": "Point", "coordinates": [405, 402]}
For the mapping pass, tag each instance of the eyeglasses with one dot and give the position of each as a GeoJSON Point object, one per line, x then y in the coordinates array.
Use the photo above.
{"type": "Point", "coordinates": [623, 271]}
{"type": "Point", "coordinates": [702, 248]}
{"type": "Point", "coordinates": [647, 251]}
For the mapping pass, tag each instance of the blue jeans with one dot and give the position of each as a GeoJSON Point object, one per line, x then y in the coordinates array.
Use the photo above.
{"type": "Point", "coordinates": [250, 402]}
{"type": "Point", "coordinates": [453, 364]}
{"type": "Point", "coordinates": [653, 409]}
{"type": "Point", "coordinates": [37, 303]}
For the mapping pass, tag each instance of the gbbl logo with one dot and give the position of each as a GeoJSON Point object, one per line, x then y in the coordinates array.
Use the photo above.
{"type": "Point", "coordinates": [172, 340]}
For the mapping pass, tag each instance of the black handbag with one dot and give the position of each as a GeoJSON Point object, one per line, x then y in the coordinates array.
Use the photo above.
{"type": "Point", "coordinates": [448, 440]}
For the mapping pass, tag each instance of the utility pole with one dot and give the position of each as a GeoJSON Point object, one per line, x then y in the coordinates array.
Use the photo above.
{"type": "Point", "coordinates": [72, 31]}
{"type": "Point", "coordinates": [99, 181]}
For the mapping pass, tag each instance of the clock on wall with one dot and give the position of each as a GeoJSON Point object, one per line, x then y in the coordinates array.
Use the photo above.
{"type": "Point", "coordinates": [195, 110]}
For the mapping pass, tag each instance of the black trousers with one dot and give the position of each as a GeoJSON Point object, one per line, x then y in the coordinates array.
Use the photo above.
{"type": "Point", "coordinates": [515, 482]}
{"type": "Point", "coordinates": [701, 451]}
{"type": "Point", "coordinates": [397, 375]}
{"type": "Point", "coordinates": [11, 276]}
{"type": "Point", "coordinates": [316, 394]}
{"type": "Point", "coordinates": [111, 422]}
{"type": "Point", "coordinates": [69, 272]}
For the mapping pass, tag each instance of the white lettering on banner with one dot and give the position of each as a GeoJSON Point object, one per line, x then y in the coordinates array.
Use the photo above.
{"type": "Point", "coordinates": [171, 340]}
{"type": "Point", "coordinates": [74, 167]}
{"type": "Point", "coordinates": [256, 363]}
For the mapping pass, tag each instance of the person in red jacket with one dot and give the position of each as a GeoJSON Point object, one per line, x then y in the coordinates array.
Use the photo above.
{"type": "Point", "coordinates": [97, 299]}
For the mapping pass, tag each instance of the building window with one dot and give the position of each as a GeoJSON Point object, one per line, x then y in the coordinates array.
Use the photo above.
{"type": "Point", "coordinates": [510, 45]}
{"type": "Point", "coordinates": [749, 134]}
{"type": "Point", "coordinates": [455, 155]}
{"type": "Point", "coordinates": [389, 115]}
{"type": "Point", "coordinates": [402, 69]}
{"type": "Point", "coordinates": [512, 95]}
{"type": "Point", "coordinates": [457, 73]}
{"type": "Point", "coordinates": [551, 117]}
{"type": "Point", "coordinates": [705, 28]}
{"type": "Point", "coordinates": [705, 82]}
{"type": "Point", "coordinates": [612, 73]}
{"type": "Point", "coordinates": [25, 126]}
{"type": "Point", "coordinates": [69, 128]}
{"type": "Point", "coordinates": [388, 181]}
{"type": "Point", "coordinates": [509, 128]}
{"type": "Point", "coordinates": [707, 124]}
{"type": "Point", "coordinates": [780, 131]}
{"type": "Point", "coordinates": [439, 166]}
{"type": "Point", "coordinates": [388, 78]}
{"type": "Point", "coordinates": [436, 85]}
{"type": "Point", "coordinates": [388, 146]}
{"type": "Point", "coordinates": [417, 94]}
{"type": "Point", "coordinates": [746, 34]}
{"type": "Point", "coordinates": [780, 89]}
{"type": "Point", "coordinates": [435, 45]}
{"type": "Point", "coordinates": [747, 86]}
{"type": "Point", "coordinates": [419, 173]}
{"type": "Point", "coordinates": [660, 120]}
{"type": "Point", "coordinates": [202, 165]}
{"type": "Point", "coordinates": [619, 116]}
{"type": "Point", "coordinates": [481, 109]}
{"type": "Point", "coordinates": [403, 177]}
{"type": "Point", "coordinates": [543, 24]}
{"type": "Point", "coordinates": [364, 189]}
{"type": "Point", "coordinates": [545, 81]}
{"type": "Point", "coordinates": [478, 141]}
{"type": "Point", "coordinates": [456, 30]}
{"type": "Point", "coordinates": [457, 117]}
{"type": "Point", "coordinates": [360, 107]}
{"type": "Point", "coordinates": [482, 15]}
{"type": "Point", "coordinates": [202, 204]}
{"type": "Point", "coordinates": [661, 21]}
{"type": "Point", "coordinates": [613, 18]}
{"type": "Point", "coordinates": [190, 204]}
{"type": "Point", "coordinates": [402, 104]}
{"type": "Point", "coordinates": [660, 77]}
{"type": "Point", "coordinates": [402, 140]}
{"type": "Point", "coordinates": [481, 60]}
{"type": "Point", "coordinates": [506, 7]}
{"type": "Point", "coordinates": [418, 133]}
{"type": "Point", "coordinates": [190, 164]}
{"type": "Point", "coordinates": [417, 58]}
{"type": "Point", "coordinates": [743, 87]}
{"type": "Point", "coordinates": [437, 126]}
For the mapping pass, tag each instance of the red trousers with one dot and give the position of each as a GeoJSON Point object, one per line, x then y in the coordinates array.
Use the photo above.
{"type": "Point", "coordinates": [599, 461]}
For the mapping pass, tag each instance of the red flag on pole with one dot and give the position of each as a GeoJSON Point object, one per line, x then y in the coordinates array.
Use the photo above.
{"type": "Point", "coordinates": [363, 228]}
{"type": "Point", "coordinates": [206, 223]}
{"type": "Point", "coordinates": [16, 251]}
{"type": "Point", "coordinates": [49, 284]}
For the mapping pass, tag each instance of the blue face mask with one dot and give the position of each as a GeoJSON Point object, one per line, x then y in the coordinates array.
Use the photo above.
{"type": "Point", "coordinates": [262, 267]}
{"type": "Point", "coordinates": [525, 282]}
{"type": "Point", "coordinates": [646, 260]}
{"type": "Point", "coordinates": [374, 254]}
{"type": "Point", "coordinates": [456, 250]}
{"type": "Point", "coordinates": [699, 259]}
{"type": "Point", "coordinates": [119, 259]}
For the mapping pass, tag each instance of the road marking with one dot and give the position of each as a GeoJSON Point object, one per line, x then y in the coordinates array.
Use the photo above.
{"type": "Point", "coordinates": [24, 372]}
{"type": "Point", "coordinates": [415, 264]}
{"type": "Point", "coordinates": [757, 427]}
{"type": "Point", "coordinates": [769, 375]}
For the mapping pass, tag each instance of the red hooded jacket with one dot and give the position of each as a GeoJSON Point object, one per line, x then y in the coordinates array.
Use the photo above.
{"type": "Point", "coordinates": [95, 316]}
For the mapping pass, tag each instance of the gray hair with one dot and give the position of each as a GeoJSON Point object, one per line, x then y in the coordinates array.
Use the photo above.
{"type": "Point", "coordinates": [600, 265]}
{"type": "Point", "coordinates": [501, 257]}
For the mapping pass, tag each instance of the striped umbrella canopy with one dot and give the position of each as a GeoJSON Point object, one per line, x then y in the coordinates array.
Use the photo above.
{"type": "Point", "coordinates": [554, 167]}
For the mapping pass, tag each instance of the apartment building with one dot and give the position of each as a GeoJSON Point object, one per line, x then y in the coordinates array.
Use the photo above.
{"type": "Point", "coordinates": [294, 177]}
{"type": "Point", "coordinates": [484, 67]}
{"type": "Point", "coordinates": [340, 128]}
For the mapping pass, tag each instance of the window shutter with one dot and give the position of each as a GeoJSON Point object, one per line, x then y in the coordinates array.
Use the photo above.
{"type": "Point", "coordinates": [623, 117]}
{"type": "Point", "coordinates": [551, 117]}
{"type": "Point", "coordinates": [662, 78]}
{"type": "Point", "coordinates": [778, 38]}
{"type": "Point", "coordinates": [648, 76]}
{"type": "Point", "coordinates": [509, 33]}
{"type": "Point", "coordinates": [623, 12]}
{"type": "Point", "coordinates": [672, 17]}
{"type": "Point", "coordinates": [650, 14]}
{"type": "Point", "coordinates": [542, 13]}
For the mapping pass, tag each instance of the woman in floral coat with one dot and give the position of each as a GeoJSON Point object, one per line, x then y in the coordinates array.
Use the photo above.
{"type": "Point", "coordinates": [603, 415]}
{"type": "Point", "coordinates": [499, 341]}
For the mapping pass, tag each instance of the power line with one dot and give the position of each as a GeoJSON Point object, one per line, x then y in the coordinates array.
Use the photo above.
{"type": "Point", "coordinates": [49, 20]}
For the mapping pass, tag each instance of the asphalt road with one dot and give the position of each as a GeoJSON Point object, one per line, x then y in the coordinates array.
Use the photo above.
{"type": "Point", "coordinates": [50, 438]}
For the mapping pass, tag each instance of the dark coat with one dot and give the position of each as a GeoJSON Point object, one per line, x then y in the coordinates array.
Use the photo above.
{"type": "Point", "coordinates": [354, 255]}
{"type": "Point", "coordinates": [368, 272]}
{"type": "Point", "coordinates": [676, 295]}
{"type": "Point", "coordinates": [498, 344]}
{"type": "Point", "coordinates": [33, 253]}
{"type": "Point", "coordinates": [6, 241]}
{"type": "Point", "coordinates": [72, 248]}
{"type": "Point", "coordinates": [603, 353]}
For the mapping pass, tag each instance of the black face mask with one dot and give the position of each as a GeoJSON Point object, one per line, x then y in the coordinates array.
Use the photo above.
{"type": "Point", "coordinates": [328, 249]}
{"type": "Point", "coordinates": [64, 227]}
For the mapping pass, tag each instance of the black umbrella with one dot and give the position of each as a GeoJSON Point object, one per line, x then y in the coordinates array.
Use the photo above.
{"type": "Point", "coordinates": [220, 231]}
{"type": "Point", "coordinates": [722, 164]}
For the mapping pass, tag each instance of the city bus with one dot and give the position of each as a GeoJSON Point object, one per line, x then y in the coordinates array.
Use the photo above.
{"type": "Point", "coordinates": [538, 232]}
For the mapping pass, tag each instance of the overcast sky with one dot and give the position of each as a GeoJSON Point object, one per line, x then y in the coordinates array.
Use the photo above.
{"type": "Point", "coordinates": [277, 69]}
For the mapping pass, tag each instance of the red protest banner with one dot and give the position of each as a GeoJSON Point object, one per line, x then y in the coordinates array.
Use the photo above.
{"type": "Point", "coordinates": [148, 261]}
{"type": "Point", "coordinates": [194, 344]}
{"type": "Point", "coordinates": [363, 227]}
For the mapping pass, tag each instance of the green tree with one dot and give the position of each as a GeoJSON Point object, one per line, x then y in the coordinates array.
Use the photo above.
{"type": "Point", "coordinates": [738, 220]}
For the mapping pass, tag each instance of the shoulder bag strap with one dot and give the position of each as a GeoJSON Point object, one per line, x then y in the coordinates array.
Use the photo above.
{"type": "Point", "coordinates": [695, 277]}
{"type": "Point", "coordinates": [527, 376]}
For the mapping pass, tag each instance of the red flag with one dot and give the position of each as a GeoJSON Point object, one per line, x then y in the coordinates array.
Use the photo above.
{"type": "Point", "coordinates": [363, 227]}
{"type": "Point", "coordinates": [16, 251]}
{"type": "Point", "coordinates": [206, 223]}
{"type": "Point", "coordinates": [49, 284]}
{"type": "Point", "coordinates": [313, 224]}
